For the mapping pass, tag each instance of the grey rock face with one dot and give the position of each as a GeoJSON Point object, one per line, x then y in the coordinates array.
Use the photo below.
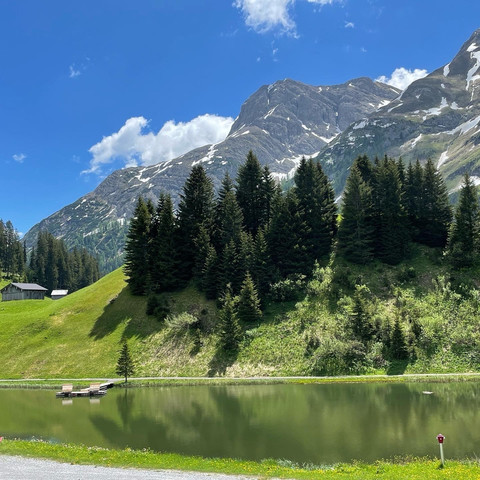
{"type": "Point", "coordinates": [279, 122]}
{"type": "Point", "coordinates": [436, 117]}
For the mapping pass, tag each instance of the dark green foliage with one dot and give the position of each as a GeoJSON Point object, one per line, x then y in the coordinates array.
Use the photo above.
{"type": "Point", "coordinates": [248, 302]}
{"type": "Point", "coordinates": [196, 208]}
{"type": "Point", "coordinates": [125, 366]}
{"type": "Point", "coordinates": [463, 238]}
{"type": "Point", "coordinates": [210, 274]}
{"type": "Point", "coordinates": [413, 199]}
{"type": "Point", "coordinates": [53, 267]}
{"type": "Point", "coordinates": [427, 205]}
{"type": "Point", "coordinates": [361, 316]}
{"type": "Point", "coordinates": [229, 220]}
{"type": "Point", "coordinates": [390, 220]}
{"type": "Point", "coordinates": [287, 229]}
{"type": "Point", "coordinates": [356, 232]}
{"type": "Point", "coordinates": [398, 344]}
{"type": "Point", "coordinates": [162, 252]}
{"type": "Point", "coordinates": [251, 194]}
{"type": "Point", "coordinates": [317, 209]}
{"type": "Point", "coordinates": [229, 327]}
{"type": "Point", "coordinates": [261, 268]}
{"type": "Point", "coordinates": [12, 252]}
{"type": "Point", "coordinates": [436, 210]}
{"type": "Point", "coordinates": [228, 268]}
{"type": "Point", "coordinates": [136, 249]}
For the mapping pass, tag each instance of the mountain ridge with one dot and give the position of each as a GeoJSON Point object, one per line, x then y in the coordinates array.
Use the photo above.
{"type": "Point", "coordinates": [280, 122]}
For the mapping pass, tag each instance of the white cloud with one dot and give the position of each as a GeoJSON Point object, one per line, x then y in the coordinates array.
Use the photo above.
{"type": "Point", "coordinates": [135, 147]}
{"type": "Point", "coordinates": [402, 78]}
{"type": "Point", "coordinates": [74, 72]}
{"type": "Point", "coordinates": [349, 25]}
{"type": "Point", "coordinates": [19, 157]}
{"type": "Point", "coordinates": [265, 15]}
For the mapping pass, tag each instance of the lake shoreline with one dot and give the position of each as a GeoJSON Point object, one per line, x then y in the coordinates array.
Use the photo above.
{"type": "Point", "coordinates": [400, 468]}
{"type": "Point", "coordinates": [194, 381]}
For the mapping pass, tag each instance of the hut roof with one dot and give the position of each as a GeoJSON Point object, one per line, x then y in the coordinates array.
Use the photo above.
{"type": "Point", "coordinates": [26, 286]}
{"type": "Point", "coordinates": [59, 292]}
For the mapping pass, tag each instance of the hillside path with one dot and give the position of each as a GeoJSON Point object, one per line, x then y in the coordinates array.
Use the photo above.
{"type": "Point", "coordinates": [21, 468]}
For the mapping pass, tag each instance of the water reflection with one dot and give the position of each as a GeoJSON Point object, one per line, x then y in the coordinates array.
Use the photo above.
{"type": "Point", "coordinates": [304, 423]}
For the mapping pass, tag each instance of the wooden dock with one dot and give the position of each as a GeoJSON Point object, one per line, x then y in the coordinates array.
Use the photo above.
{"type": "Point", "coordinates": [94, 390]}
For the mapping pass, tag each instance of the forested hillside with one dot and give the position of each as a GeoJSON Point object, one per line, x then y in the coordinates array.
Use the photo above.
{"type": "Point", "coordinates": [253, 246]}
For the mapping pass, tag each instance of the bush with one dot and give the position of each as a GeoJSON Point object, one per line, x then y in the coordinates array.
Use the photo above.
{"type": "Point", "coordinates": [290, 289]}
{"type": "Point", "coordinates": [406, 274]}
{"type": "Point", "coordinates": [158, 306]}
{"type": "Point", "coordinates": [181, 323]}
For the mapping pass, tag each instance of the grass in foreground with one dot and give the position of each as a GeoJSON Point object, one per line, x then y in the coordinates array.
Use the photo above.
{"type": "Point", "coordinates": [402, 469]}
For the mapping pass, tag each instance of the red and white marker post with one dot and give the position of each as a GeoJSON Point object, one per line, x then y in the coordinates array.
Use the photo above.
{"type": "Point", "coordinates": [440, 439]}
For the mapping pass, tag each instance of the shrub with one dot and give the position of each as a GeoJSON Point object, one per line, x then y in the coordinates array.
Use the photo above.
{"type": "Point", "coordinates": [290, 289]}
{"type": "Point", "coordinates": [181, 323]}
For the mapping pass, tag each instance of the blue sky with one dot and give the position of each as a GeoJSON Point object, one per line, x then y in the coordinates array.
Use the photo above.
{"type": "Point", "coordinates": [88, 87]}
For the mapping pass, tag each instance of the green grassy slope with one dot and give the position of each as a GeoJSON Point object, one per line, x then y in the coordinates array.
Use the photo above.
{"type": "Point", "coordinates": [80, 335]}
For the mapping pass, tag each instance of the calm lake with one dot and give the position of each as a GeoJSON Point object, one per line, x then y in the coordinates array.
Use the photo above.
{"type": "Point", "coordinates": [321, 424]}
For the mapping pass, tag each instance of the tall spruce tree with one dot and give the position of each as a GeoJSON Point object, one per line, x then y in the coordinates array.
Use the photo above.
{"type": "Point", "coordinates": [463, 238]}
{"type": "Point", "coordinates": [229, 220]}
{"type": "Point", "coordinates": [250, 194]}
{"type": "Point", "coordinates": [356, 232]}
{"type": "Point", "coordinates": [316, 202]}
{"type": "Point", "coordinates": [390, 220]}
{"type": "Point", "coordinates": [285, 237]}
{"type": "Point", "coordinates": [436, 213]}
{"type": "Point", "coordinates": [262, 268]}
{"type": "Point", "coordinates": [195, 209]}
{"type": "Point", "coordinates": [125, 366]}
{"type": "Point", "coordinates": [162, 252]}
{"type": "Point", "coordinates": [136, 249]}
{"type": "Point", "coordinates": [248, 302]}
{"type": "Point", "coordinates": [229, 327]}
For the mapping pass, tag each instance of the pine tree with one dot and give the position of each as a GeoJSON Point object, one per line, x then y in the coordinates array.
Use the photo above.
{"type": "Point", "coordinates": [414, 197]}
{"type": "Point", "coordinates": [125, 366]}
{"type": "Point", "coordinates": [248, 302]}
{"type": "Point", "coordinates": [269, 190]}
{"type": "Point", "coordinates": [230, 220]}
{"type": "Point", "coordinates": [196, 208]}
{"type": "Point", "coordinates": [285, 237]}
{"type": "Point", "coordinates": [245, 258]}
{"type": "Point", "coordinates": [356, 232]}
{"type": "Point", "coordinates": [210, 274]}
{"type": "Point", "coordinates": [250, 196]}
{"type": "Point", "coordinates": [161, 249]}
{"type": "Point", "coordinates": [316, 202]}
{"type": "Point", "coordinates": [436, 213]}
{"type": "Point", "coordinates": [463, 238]}
{"type": "Point", "coordinates": [136, 249]}
{"type": "Point", "coordinates": [390, 220]}
{"type": "Point", "coordinates": [203, 245]}
{"type": "Point", "coordinates": [229, 327]}
{"type": "Point", "coordinates": [360, 318]}
{"type": "Point", "coordinates": [398, 344]}
{"type": "Point", "coordinates": [228, 271]}
{"type": "Point", "coordinates": [262, 268]}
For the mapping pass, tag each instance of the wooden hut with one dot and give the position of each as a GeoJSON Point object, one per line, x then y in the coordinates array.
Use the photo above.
{"type": "Point", "coordinates": [56, 294]}
{"type": "Point", "coordinates": [23, 291]}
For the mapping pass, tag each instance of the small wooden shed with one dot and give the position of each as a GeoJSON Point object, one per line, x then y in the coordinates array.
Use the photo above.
{"type": "Point", "coordinates": [23, 291]}
{"type": "Point", "coordinates": [56, 294]}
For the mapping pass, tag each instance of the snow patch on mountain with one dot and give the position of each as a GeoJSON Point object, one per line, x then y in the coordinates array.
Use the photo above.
{"type": "Point", "coordinates": [471, 77]}
{"type": "Point", "coordinates": [443, 158]}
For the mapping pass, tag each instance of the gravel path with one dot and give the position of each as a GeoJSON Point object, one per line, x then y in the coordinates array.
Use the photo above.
{"type": "Point", "coordinates": [21, 468]}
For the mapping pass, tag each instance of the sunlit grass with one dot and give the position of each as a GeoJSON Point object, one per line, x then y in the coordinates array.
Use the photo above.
{"type": "Point", "coordinates": [401, 469]}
